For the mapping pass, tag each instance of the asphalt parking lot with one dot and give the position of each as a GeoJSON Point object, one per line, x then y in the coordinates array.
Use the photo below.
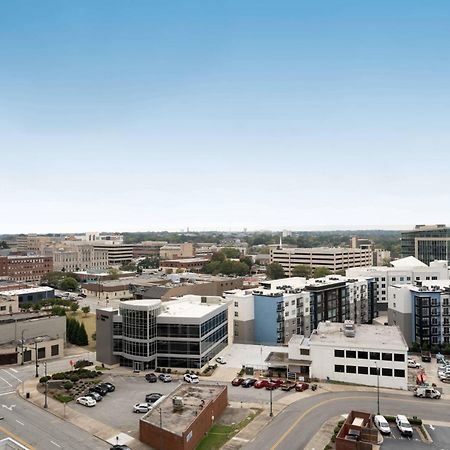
{"type": "Point", "coordinates": [440, 436]}
{"type": "Point", "coordinates": [115, 409]}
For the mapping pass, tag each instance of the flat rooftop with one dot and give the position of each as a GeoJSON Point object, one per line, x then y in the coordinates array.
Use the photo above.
{"type": "Point", "coordinates": [195, 399]}
{"type": "Point", "coordinates": [27, 290]}
{"type": "Point", "coordinates": [366, 336]}
{"type": "Point", "coordinates": [184, 260]}
{"type": "Point", "coordinates": [190, 307]}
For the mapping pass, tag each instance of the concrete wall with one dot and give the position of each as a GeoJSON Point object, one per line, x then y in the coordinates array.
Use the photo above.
{"type": "Point", "coordinates": [244, 331]}
{"type": "Point", "coordinates": [104, 337]}
{"type": "Point", "coordinates": [266, 319]}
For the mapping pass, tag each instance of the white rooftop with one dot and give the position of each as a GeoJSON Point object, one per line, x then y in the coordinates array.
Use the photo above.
{"type": "Point", "coordinates": [190, 307]}
{"type": "Point", "coordinates": [405, 263]}
{"type": "Point", "coordinates": [366, 336]}
{"type": "Point", "coordinates": [27, 290]}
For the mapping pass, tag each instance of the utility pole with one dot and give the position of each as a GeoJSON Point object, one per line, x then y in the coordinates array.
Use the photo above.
{"type": "Point", "coordinates": [22, 342]}
{"type": "Point", "coordinates": [378, 389]}
{"type": "Point", "coordinates": [271, 412]}
{"type": "Point", "coordinates": [36, 351]}
{"type": "Point", "coordinates": [46, 386]}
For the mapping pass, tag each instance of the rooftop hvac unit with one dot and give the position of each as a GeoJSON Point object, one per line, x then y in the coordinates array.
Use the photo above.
{"type": "Point", "coordinates": [349, 328]}
{"type": "Point", "coordinates": [177, 403]}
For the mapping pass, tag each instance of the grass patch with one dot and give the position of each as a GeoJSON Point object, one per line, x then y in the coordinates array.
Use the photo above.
{"type": "Point", "coordinates": [220, 434]}
{"type": "Point", "coordinates": [63, 398]}
{"type": "Point", "coordinates": [100, 368]}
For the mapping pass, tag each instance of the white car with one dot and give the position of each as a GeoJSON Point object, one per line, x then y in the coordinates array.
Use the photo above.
{"type": "Point", "coordinates": [382, 424]}
{"type": "Point", "coordinates": [221, 360]}
{"type": "Point", "coordinates": [403, 425]}
{"type": "Point", "coordinates": [141, 407]}
{"type": "Point", "coordinates": [191, 378]}
{"type": "Point", "coordinates": [86, 401]}
{"type": "Point", "coordinates": [413, 364]}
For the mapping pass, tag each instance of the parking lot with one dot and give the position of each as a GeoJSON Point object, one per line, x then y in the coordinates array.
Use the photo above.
{"type": "Point", "coordinates": [439, 435]}
{"type": "Point", "coordinates": [115, 409]}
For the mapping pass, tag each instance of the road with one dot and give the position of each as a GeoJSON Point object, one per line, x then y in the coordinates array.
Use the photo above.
{"type": "Point", "coordinates": [296, 425]}
{"type": "Point", "coordinates": [30, 425]}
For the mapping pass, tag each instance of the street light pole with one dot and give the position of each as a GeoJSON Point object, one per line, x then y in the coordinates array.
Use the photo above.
{"type": "Point", "coordinates": [46, 385]}
{"type": "Point", "coordinates": [22, 344]}
{"type": "Point", "coordinates": [271, 412]}
{"type": "Point", "coordinates": [378, 389]}
{"type": "Point", "coordinates": [36, 351]}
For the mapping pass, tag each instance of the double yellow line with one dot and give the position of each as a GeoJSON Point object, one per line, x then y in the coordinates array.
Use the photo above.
{"type": "Point", "coordinates": [16, 438]}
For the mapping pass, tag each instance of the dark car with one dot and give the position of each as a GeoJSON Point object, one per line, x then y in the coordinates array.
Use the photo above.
{"type": "Point", "coordinates": [108, 386]}
{"type": "Point", "coordinates": [248, 382]}
{"type": "Point", "coordinates": [237, 381]}
{"type": "Point", "coordinates": [153, 397]}
{"type": "Point", "coordinates": [151, 378]}
{"type": "Point", "coordinates": [119, 447]}
{"type": "Point", "coordinates": [95, 395]}
{"type": "Point", "coordinates": [99, 389]}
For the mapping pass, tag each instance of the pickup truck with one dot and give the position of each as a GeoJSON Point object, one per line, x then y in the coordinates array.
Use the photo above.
{"type": "Point", "coordinates": [426, 356]}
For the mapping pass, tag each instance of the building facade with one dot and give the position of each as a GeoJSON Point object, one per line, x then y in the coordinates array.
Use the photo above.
{"type": "Point", "coordinates": [335, 259]}
{"type": "Point", "coordinates": [177, 251]}
{"type": "Point", "coordinates": [25, 268]}
{"type": "Point", "coordinates": [427, 243]}
{"type": "Point", "coordinates": [182, 333]}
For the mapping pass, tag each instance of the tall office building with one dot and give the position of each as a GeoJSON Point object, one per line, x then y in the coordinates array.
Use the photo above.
{"type": "Point", "coordinates": [427, 243]}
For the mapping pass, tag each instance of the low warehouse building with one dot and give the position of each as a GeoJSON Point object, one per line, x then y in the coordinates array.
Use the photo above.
{"type": "Point", "coordinates": [183, 418]}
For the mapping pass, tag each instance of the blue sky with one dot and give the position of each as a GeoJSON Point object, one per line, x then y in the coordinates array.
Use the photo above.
{"type": "Point", "coordinates": [139, 115]}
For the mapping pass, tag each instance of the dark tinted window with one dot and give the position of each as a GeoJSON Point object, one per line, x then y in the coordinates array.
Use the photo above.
{"type": "Point", "coordinates": [386, 372]}
{"type": "Point", "coordinates": [374, 355]}
{"type": "Point", "coordinates": [338, 368]}
{"type": "Point", "coordinates": [363, 355]}
{"type": "Point", "coordinates": [363, 370]}
{"type": "Point", "coordinates": [399, 357]}
{"type": "Point", "coordinates": [386, 356]}
{"type": "Point", "coordinates": [351, 369]}
{"type": "Point", "coordinates": [339, 353]}
{"type": "Point", "coordinates": [351, 354]}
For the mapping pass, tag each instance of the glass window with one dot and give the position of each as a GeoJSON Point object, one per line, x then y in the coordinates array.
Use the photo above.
{"type": "Point", "coordinates": [338, 368]}
{"type": "Point", "coordinates": [386, 356]}
{"type": "Point", "coordinates": [363, 370]}
{"type": "Point", "coordinates": [386, 372]}
{"type": "Point", "coordinates": [363, 355]}
{"type": "Point", "coordinates": [375, 355]}
{"type": "Point", "coordinates": [399, 373]}
{"type": "Point", "coordinates": [350, 369]}
{"type": "Point", "coordinates": [55, 350]}
{"type": "Point", "coordinates": [351, 354]}
{"type": "Point", "coordinates": [399, 357]}
{"type": "Point", "coordinates": [373, 371]}
{"type": "Point", "coordinates": [339, 353]}
{"type": "Point", "coordinates": [41, 352]}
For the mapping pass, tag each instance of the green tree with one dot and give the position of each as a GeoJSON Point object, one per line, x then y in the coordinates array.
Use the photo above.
{"type": "Point", "coordinates": [36, 307]}
{"type": "Point", "coordinates": [302, 270]}
{"type": "Point", "coordinates": [218, 256]}
{"type": "Point", "coordinates": [74, 307]}
{"type": "Point", "coordinates": [58, 310]}
{"type": "Point", "coordinates": [320, 272]}
{"type": "Point", "coordinates": [82, 337]}
{"type": "Point", "coordinates": [54, 279]}
{"type": "Point", "coordinates": [130, 267]}
{"type": "Point", "coordinates": [274, 271]}
{"type": "Point", "coordinates": [4, 244]}
{"type": "Point", "coordinates": [231, 252]}
{"type": "Point", "coordinates": [113, 273]}
{"type": "Point", "coordinates": [69, 284]}
{"type": "Point", "coordinates": [152, 262]}
{"type": "Point", "coordinates": [86, 310]}
{"type": "Point", "coordinates": [247, 260]}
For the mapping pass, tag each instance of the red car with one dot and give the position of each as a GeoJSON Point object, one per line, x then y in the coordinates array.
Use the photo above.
{"type": "Point", "coordinates": [300, 387]}
{"type": "Point", "coordinates": [287, 386]}
{"type": "Point", "coordinates": [261, 384]}
{"type": "Point", "coordinates": [274, 384]}
{"type": "Point", "coordinates": [237, 381]}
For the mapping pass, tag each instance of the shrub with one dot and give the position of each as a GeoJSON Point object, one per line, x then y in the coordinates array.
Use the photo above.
{"type": "Point", "coordinates": [415, 420]}
{"type": "Point", "coordinates": [74, 378]}
{"type": "Point", "coordinates": [187, 372]}
{"type": "Point", "coordinates": [59, 376]}
{"type": "Point", "coordinates": [82, 363]}
{"type": "Point", "coordinates": [169, 370]}
{"type": "Point", "coordinates": [163, 370]}
{"type": "Point", "coordinates": [68, 385]}
{"type": "Point", "coordinates": [158, 370]}
{"type": "Point", "coordinates": [44, 379]}
{"type": "Point", "coordinates": [63, 398]}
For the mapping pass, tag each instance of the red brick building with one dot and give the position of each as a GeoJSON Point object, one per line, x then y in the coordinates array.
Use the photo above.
{"type": "Point", "coordinates": [25, 268]}
{"type": "Point", "coordinates": [182, 427]}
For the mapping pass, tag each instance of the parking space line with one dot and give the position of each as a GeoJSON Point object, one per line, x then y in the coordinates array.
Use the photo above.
{"type": "Point", "coordinates": [8, 383]}
{"type": "Point", "coordinates": [11, 375]}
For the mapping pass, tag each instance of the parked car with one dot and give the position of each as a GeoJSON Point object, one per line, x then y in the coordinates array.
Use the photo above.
{"type": "Point", "coordinates": [287, 386]}
{"type": "Point", "coordinates": [221, 360]}
{"type": "Point", "coordinates": [237, 381]}
{"type": "Point", "coordinates": [403, 425]}
{"type": "Point", "coordinates": [119, 447]}
{"type": "Point", "coordinates": [426, 356]}
{"type": "Point", "coordinates": [108, 386]}
{"type": "Point", "coordinates": [95, 395]}
{"type": "Point", "coordinates": [151, 378]}
{"type": "Point", "coordinates": [413, 364]}
{"type": "Point", "coordinates": [261, 384]}
{"type": "Point", "coordinates": [300, 387]}
{"type": "Point", "coordinates": [382, 424]}
{"type": "Point", "coordinates": [426, 392]}
{"type": "Point", "coordinates": [153, 397]}
{"type": "Point", "coordinates": [165, 377]}
{"type": "Point", "coordinates": [191, 378]}
{"type": "Point", "coordinates": [274, 384]}
{"type": "Point", "coordinates": [248, 382]}
{"type": "Point", "coordinates": [86, 401]}
{"type": "Point", "coordinates": [99, 389]}
{"type": "Point", "coordinates": [141, 407]}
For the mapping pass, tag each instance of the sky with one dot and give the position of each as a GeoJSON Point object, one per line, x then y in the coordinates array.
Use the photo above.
{"type": "Point", "coordinates": [155, 115]}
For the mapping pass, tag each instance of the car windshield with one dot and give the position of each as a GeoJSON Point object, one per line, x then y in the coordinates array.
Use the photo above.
{"type": "Point", "coordinates": [405, 425]}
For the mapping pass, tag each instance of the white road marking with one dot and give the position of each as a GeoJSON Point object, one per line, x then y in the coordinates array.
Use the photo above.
{"type": "Point", "coordinates": [7, 393]}
{"type": "Point", "coordinates": [21, 423]}
{"type": "Point", "coordinates": [14, 370]}
{"type": "Point", "coordinates": [431, 427]}
{"type": "Point", "coordinates": [239, 439]}
{"type": "Point", "coordinates": [54, 443]}
{"type": "Point", "coordinates": [11, 375]}
{"type": "Point", "coordinates": [10, 408]}
{"type": "Point", "coordinates": [9, 384]}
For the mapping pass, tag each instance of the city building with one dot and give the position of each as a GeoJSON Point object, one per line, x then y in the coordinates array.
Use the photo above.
{"type": "Point", "coordinates": [117, 254]}
{"type": "Point", "coordinates": [363, 243]}
{"type": "Point", "coordinates": [33, 243]}
{"type": "Point", "coordinates": [427, 243]}
{"type": "Point", "coordinates": [421, 311]}
{"type": "Point", "coordinates": [278, 309]}
{"type": "Point", "coordinates": [351, 353]}
{"type": "Point", "coordinates": [402, 271]}
{"type": "Point", "coordinates": [358, 432]}
{"type": "Point", "coordinates": [182, 419]}
{"type": "Point", "coordinates": [381, 257]}
{"type": "Point", "coordinates": [186, 332]}
{"type": "Point", "coordinates": [108, 289]}
{"type": "Point", "coordinates": [75, 257]}
{"type": "Point", "coordinates": [21, 334]}
{"type": "Point", "coordinates": [183, 265]}
{"type": "Point", "coordinates": [7, 284]}
{"type": "Point", "coordinates": [147, 249]}
{"type": "Point", "coordinates": [335, 259]}
{"type": "Point", "coordinates": [25, 268]}
{"type": "Point", "coordinates": [177, 251]}
{"type": "Point", "coordinates": [28, 295]}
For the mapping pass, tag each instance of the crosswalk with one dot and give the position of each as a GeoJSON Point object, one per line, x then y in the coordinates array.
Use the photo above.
{"type": "Point", "coordinates": [9, 380]}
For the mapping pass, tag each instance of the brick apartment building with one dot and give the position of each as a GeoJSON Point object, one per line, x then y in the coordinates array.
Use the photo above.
{"type": "Point", "coordinates": [25, 268]}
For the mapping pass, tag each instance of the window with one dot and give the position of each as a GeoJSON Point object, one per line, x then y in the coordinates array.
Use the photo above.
{"type": "Point", "coordinates": [304, 351]}
{"type": "Point", "coordinates": [386, 372]}
{"type": "Point", "coordinates": [363, 355]}
{"type": "Point", "coordinates": [375, 355]}
{"type": "Point", "coordinates": [393, 278]}
{"type": "Point", "coordinates": [339, 353]}
{"type": "Point", "coordinates": [363, 370]}
{"type": "Point", "coordinates": [236, 304]}
{"type": "Point", "coordinates": [236, 314]}
{"type": "Point", "coordinates": [293, 302]}
{"type": "Point", "coordinates": [351, 354]}
{"type": "Point", "coordinates": [339, 368]}
{"type": "Point", "coordinates": [399, 357]}
{"type": "Point", "coordinates": [350, 369]}
{"type": "Point", "coordinates": [55, 350]}
{"type": "Point", "coordinates": [373, 371]}
{"type": "Point", "coordinates": [399, 373]}
{"type": "Point", "coordinates": [386, 356]}
{"type": "Point", "coordinates": [41, 352]}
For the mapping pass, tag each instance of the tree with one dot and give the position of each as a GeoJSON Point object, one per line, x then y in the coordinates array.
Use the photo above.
{"type": "Point", "coordinates": [36, 307]}
{"type": "Point", "coordinates": [149, 263]}
{"type": "Point", "coordinates": [4, 244]}
{"type": "Point", "coordinates": [218, 256]}
{"type": "Point", "coordinates": [130, 267]}
{"type": "Point", "coordinates": [113, 273]}
{"type": "Point", "coordinates": [231, 252]}
{"type": "Point", "coordinates": [302, 270]}
{"type": "Point", "coordinates": [320, 272]}
{"type": "Point", "coordinates": [74, 307]}
{"type": "Point", "coordinates": [82, 337]}
{"type": "Point", "coordinates": [69, 284]}
{"type": "Point", "coordinates": [275, 271]}
{"type": "Point", "coordinates": [86, 310]}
